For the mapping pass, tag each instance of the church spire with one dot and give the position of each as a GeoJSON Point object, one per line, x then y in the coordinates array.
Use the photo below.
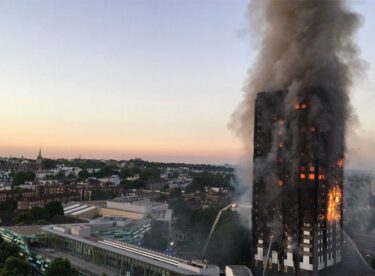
{"type": "Point", "coordinates": [39, 159]}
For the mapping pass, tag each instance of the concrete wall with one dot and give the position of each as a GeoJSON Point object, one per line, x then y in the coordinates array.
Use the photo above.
{"type": "Point", "coordinates": [160, 207]}
{"type": "Point", "coordinates": [81, 231]}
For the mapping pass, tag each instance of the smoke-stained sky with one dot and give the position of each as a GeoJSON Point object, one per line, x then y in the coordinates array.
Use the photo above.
{"type": "Point", "coordinates": [157, 79]}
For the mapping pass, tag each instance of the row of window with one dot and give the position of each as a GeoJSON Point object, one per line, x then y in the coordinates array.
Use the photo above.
{"type": "Point", "coordinates": [120, 264]}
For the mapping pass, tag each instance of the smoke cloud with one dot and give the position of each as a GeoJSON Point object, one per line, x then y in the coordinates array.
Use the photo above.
{"type": "Point", "coordinates": [307, 49]}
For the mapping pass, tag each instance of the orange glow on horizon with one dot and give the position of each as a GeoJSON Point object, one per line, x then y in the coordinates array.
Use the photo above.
{"type": "Point", "coordinates": [173, 152]}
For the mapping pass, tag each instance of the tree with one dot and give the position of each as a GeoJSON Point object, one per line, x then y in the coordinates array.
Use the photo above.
{"type": "Point", "coordinates": [125, 173]}
{"type": "Point", "coordinates": [99, 194]}
{"type": "Point", "coordinates": [60, 175]}
{"type": "Point", "coordinates": [49, 164]}
{"type": "Point", "coordinates": [231, 241]}
{"type": "Point", "coordinates": [83, 174]}
{"type": "Point", "coordinates": [206, 179]}
{"type": "Point", "coordinates": [15, 266]}
{"type": "Point", "coordinates": [7, 210]}
{"type": "Point", "coordinates": [184, 214]}
{"type": "Point", "coordinates": [61, 267]}
{"type": "Point", "coordinates": [136, 184]}
{"type": "Point", "coordinates": [54, 208]}
{"type": "Point", "coordinates": [150, 174]}
{"type": "Point", "coordinates": [8, 250]}
{"type": "Point", "coordinates": [11, 262]}
{"type": "Point", "coordinates": [203, 220]}
{"type": "Point", "coordinates": [106, 171]}
{"type": "Point", "coordinates": [23, 218]}
{"type": "Point", "coordinates": [39, 213]}
{"type": "Point", "coordinates": [176, 192]}
{"type": "Point", "coordinates": [20, 178]}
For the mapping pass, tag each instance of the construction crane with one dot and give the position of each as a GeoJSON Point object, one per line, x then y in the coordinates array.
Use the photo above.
{"type": "Point", "coordinates": [232, 205]}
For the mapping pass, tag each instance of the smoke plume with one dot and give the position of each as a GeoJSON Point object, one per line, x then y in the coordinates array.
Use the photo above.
{"type": "Point", "coordinates": [306, 48]}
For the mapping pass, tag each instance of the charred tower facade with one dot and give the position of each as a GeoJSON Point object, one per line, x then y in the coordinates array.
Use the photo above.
{"type": "Point", "coordinates": [297, 189]}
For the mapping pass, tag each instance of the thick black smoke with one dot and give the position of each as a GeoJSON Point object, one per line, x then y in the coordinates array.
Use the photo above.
{"type": "Point", "coordinates": [307, 50]}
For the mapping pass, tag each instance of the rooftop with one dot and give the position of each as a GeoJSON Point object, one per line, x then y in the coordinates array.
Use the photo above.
{"type": "Point", "coordinates": [142, 202]}
{"type": "Point", "coordinates": [28, 230]}
{"type": "Point", "coordinates": [138, 253]}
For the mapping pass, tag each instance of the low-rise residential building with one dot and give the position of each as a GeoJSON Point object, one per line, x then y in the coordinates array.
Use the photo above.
{"type": "Point", "coordinates": [5, 180]}
{"type": "Point", "coordinates": [39, 195]}
{"type": "Point", "coordinates": [40, 201]}
{"type": "Point", "coordinates": [156, 185]}
{"type": "Point", "coordinates": [114, 180]}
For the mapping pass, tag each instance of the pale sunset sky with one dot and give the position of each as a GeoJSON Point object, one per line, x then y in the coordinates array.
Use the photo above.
{"type": "Point", "coordinates": [156, 79]}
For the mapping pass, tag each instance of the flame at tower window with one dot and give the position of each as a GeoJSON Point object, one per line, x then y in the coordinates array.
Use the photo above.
{"type": "Point", "coordinates": [334, 204]}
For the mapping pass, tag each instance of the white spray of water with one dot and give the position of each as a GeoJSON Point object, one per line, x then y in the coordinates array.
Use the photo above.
{"type": "Point", "coordinates": [267, 257]}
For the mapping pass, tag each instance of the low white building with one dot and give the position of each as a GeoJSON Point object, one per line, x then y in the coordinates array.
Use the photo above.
{"type": "Point", "coordinates": [5, 179]}
{"type": "Point", "coordinates": [114, 179]}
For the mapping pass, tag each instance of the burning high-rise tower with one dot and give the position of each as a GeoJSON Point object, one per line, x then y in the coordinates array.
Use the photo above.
{"type": "Point", "coordinates": [297, 191]}
{"type": "Point", "coordinates": [306, 63]}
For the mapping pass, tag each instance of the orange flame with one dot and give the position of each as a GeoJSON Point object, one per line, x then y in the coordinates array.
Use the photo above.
{"type": "Point", "coordinates": [322, 177]}
{"type": "Point", "coordinates": [334, 204]}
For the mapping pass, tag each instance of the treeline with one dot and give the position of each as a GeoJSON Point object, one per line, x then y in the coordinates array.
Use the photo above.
{"type": "Point", "coordinates": [13, 262]}
{"type": "Point", "coordinates": [20, 177]}
{"type": "Point", "coordinates": [98, 164]}
{"type": "Point", "coordinates": [38, 215]}
{"type": "Point", "coordinates": [143, 174]}
{"type": "Point", "coordinates": [61, 267]}
{"type": "Point", "coordinates": [231, 242]}
{"type": "Point", "coordinates": [206, 179]}
{"type": "Point", "coordinates": [206, 167]}
{"type": "Point", "coordinates": [102, 172]}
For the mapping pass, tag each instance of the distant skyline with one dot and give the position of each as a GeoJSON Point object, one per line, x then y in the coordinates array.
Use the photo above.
{"type": "Point", "coordinates": [152, 79]}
